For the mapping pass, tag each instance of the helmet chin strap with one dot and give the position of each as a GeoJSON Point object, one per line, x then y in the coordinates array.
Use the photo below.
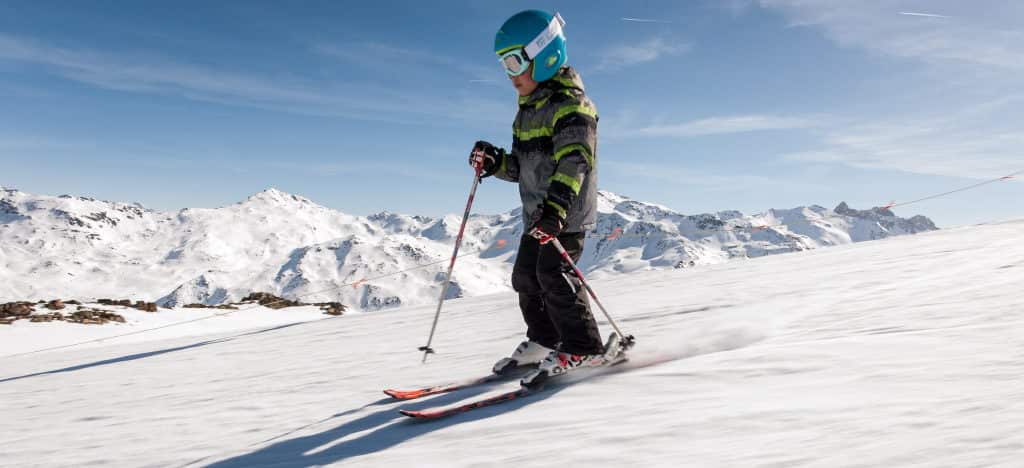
{"type": "Point", "coordinates": [545, 37]}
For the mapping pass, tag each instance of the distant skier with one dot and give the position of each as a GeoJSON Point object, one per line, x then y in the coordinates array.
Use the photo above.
{"type": "Point", "coordinates": [554, 160]}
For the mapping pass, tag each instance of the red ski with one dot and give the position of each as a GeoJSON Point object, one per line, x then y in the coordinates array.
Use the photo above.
{"type": "Point", "coordinates": [453, 410]}
{"type": "Point", "coordinates": [415, 393]}
{"type": "Point", "coordinates": [537, 386]}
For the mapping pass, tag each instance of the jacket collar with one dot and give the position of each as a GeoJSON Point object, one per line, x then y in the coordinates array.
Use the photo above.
{"type": "Point", "coordinates": [566, 78]}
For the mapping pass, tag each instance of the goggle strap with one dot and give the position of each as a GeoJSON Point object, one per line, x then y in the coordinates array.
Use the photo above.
{"type": "Point", "coordinates": [545, 37]}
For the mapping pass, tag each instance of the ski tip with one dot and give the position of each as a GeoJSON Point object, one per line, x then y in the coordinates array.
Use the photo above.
{"type": "Point", "coordinates": [414, 414]}
{"type": "Point", "coordinates": [403, 395]}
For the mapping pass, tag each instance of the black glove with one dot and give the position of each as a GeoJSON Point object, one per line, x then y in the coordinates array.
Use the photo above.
{"type": "Point", "coordinates": [487, 157]}
{"type": "Point", "coordinates": [547, 224]}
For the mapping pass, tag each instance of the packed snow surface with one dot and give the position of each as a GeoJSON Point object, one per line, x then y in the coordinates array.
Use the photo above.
{"type": "Point", "coordinates": [905, 351]}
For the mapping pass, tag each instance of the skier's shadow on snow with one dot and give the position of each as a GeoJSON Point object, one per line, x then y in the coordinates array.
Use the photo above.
{"type": "Point", "coordinates": [133, 357]}
{"type": "Point", "coordinates": [387, 428]}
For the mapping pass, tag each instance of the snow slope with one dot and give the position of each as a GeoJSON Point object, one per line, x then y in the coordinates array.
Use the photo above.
{"type": "Point", "coordinates": [900, 352]}
{"type": "Point", "coordinates": [78, 247]}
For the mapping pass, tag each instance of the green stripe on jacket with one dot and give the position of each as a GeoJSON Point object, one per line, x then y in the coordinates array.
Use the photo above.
{"type": "Point", "coordinates": [575, 183]}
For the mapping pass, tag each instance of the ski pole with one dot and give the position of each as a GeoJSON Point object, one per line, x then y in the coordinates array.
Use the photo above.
{"type": "Point", "coordinates": [627, 340]}
{"type": "Point", "coordinates": [427, 350]}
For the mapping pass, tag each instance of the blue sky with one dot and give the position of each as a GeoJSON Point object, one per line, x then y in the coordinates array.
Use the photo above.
{"type": "Point", "coordinates": [705, 105]}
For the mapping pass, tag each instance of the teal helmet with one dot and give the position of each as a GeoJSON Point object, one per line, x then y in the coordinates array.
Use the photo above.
{"type": "Point", "coordinates": [540, 35]}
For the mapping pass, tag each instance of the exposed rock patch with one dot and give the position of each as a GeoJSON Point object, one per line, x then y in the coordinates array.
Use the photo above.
{"type": "Point", "coordinates": [200, 305]}
{"type": "Point", "coordinates": [887, 219]}
{"type": "Point", "coordinates": [16, 309]}
{"type": "Point", "coordinates": [12, 311]}
{"type": "Point", "coordinates": [332, 308]}
{"type": "Point", "coordinates": [94, 317]}
{"type": "Point", "coordinates": [140, 305]}
{"type": "Point", "coordinates": [270, 300]}
{"type": "Point", "coordinates": [274, 302]}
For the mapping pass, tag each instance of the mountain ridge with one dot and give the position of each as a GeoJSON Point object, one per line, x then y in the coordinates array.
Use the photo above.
{"type": "Point", "coordinates": [291, 246]}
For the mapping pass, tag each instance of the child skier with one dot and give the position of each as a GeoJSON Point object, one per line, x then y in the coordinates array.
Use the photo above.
{"type": "Point", "coordinates": [554, 160]}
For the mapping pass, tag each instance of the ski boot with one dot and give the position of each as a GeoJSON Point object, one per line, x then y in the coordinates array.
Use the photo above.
{"type": "Point", "coordinates": [527, 353]}
{"type": "Point", "coordinates": [558, 363]}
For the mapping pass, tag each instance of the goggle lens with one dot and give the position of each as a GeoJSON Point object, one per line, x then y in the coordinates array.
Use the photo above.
{"type": "Point", "coordinates": [514, 62]}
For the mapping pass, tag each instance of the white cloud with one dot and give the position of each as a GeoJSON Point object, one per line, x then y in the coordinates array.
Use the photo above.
{"type": "Point", "coordinates": [722, 125]}
{"type": "Point", "coordinates": [355, 169]}
{"type": "Point", "coordinates": [979, 142]}
{"type": "Point", "coordinates": [622, 56]}
{"type": "Point", "coordinates": [387, 56]}
{"type": "Point", "coordinates": [366, 101]}
{"type": "Point", "coordinates": [955, 113]}
{"type": "Point", "coordinates": [676, 174]}
{"type": "Point", "coordinates": [989, 36]}
{"type": "Point", "coordinates": [926, 15]}
{"type": "Point", "coordinates": [11, 144]}
{"type": "Point", "coordinates": [645, 20]}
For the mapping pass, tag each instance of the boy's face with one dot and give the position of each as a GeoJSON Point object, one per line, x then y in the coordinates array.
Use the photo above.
{"type": "Point", "coordinates": [524, 83]}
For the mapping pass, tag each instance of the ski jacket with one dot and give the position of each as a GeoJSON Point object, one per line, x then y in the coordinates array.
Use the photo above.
{"type": "Point", "coordinates": [554, 152]}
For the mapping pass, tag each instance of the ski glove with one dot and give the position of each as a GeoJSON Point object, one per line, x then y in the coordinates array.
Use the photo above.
{"type": "Point", "coordinates": [547, 224]}
{"type": "Point", "coordinates": [487, 157]}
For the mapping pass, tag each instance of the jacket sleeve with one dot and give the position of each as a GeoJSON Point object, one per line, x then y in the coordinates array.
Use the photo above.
{"type": "Point", "coordinates": [574, 138]}
{"type": "Point", "coordinates": [508, 167]}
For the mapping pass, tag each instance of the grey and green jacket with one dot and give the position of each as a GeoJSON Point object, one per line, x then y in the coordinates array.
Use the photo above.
{"type": "Point", "coordinates": [554, 152]}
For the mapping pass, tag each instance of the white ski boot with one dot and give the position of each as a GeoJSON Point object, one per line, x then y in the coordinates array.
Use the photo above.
{"type": "Point", "coordinates": [527, 353]}
{"type": "Point", "coordinates": [558, 363]}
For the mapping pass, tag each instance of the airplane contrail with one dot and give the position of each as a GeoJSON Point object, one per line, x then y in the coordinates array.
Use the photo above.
{"type": "Point", "coordinates": [644, 20]}
{"type": "Point", "coordinates": [927, 15]}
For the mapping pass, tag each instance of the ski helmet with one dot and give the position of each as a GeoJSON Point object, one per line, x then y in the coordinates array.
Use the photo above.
{"type": "Point", "coordinates": [537, 36]}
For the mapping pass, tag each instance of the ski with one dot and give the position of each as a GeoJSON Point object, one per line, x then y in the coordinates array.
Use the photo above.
{"type": "Point", "coordinates": [615, 355]}
{"type": "Point", "coordinates": [523, 391]}
{"type": "Point", "coordinates": [457, 409]}
{"type": "Point", "coordinates": [421, 392]}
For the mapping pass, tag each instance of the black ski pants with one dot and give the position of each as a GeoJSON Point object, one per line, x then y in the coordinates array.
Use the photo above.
{"type": "Point", "coordinates": [553, 301]}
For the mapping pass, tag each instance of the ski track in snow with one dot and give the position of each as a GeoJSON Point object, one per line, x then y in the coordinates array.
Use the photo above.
{"type": "Point", "coordinates": [900, 352]}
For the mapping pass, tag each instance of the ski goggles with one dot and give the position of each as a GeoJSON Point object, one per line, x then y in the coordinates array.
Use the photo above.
{"type": "Point", "coordinates": [517, 61]}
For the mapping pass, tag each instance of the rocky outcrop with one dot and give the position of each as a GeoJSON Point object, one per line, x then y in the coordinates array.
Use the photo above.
{"type": "Point", "coordinates": [56, 316]}
{"type": "Point", "coordinates": [270, 300]}
{"type": "Point", "coordinates": [94, 317]}
{"type": "Point", "coordinates": [140, 305]}
{"type": "Point", "coordinates": [331, 308]}
{"type": "Point", "coordinates": [12, 311]}
{"type": "Point", "coordinates": [199, 305]}
{"type": "Point", "coordinates": [888, 220]}
{"type": "Point", "coordinates": [16, 309]}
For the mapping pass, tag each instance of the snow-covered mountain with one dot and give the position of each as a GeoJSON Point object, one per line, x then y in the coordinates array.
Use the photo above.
{"type": "Point", "coordinates": [79, 247]}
